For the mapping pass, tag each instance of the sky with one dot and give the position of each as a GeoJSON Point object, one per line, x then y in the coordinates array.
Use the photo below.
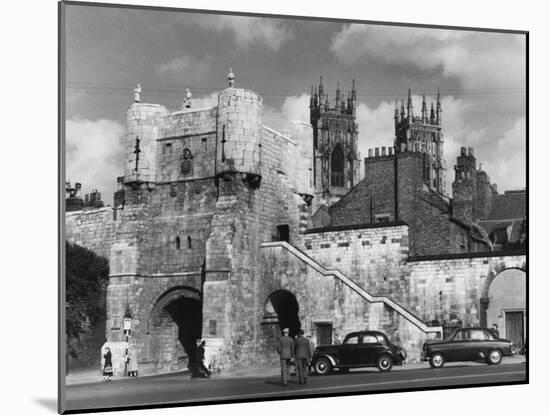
{"type": "Point", "coordinates": [481, 77]}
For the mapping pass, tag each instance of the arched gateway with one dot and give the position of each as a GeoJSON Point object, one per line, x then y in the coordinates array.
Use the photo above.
{"type": "Point", "coordinates": [174, 325]}
{"type": "Point", "coordinates": [503, 302]}
{"type": "Point", "coordinates": [280, 311]}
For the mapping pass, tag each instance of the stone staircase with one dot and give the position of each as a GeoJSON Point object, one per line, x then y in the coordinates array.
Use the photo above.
{"type": "Point", "coordinates": [403, 312]}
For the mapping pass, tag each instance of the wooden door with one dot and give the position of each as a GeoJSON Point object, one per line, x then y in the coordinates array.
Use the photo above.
{"type": "Point", "coordinates": [324, 333]}
{"type": "Point", "coordinates": [514, 328]}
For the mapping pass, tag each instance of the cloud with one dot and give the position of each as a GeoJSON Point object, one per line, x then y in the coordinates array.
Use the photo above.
{"type": "Point", "coordinates": [95, 154]}
{"type": "Point", "coordinates": [294, 108]}
{"type": "Point", "coordinates": [478, 60]}
{"type": "Point", "coordinates": [249, 30]}
{"type": "Point", "coordinates": [187, 64]}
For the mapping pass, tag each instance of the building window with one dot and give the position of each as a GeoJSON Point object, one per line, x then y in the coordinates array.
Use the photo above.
{"type": "Point", "coordinates": [178, 242]}
{"type": "Point", "coordinates": [283, 233]}
{"type": "Point", "coordinates": [385, 218]}
{"type": "Point", "coordinates": [337, 164]}
{"type": "Point", "coordinates": [462, 240]}
{"type": "Point", "coordinates": [212, 327]}
{"type": "Point", "coordinates": [426, 169]}
{"type": "Point", "coordinates": [189, 242]}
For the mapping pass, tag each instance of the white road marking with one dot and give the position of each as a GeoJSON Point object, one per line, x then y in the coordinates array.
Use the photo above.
{"type": "Point", "coordinates": [326, 388]}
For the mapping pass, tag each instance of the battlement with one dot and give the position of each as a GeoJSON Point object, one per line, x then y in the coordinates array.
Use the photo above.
{"type": "Point", "coordinates": [74, 201]}
{"type": "Point", "coordinates": [390, 151]}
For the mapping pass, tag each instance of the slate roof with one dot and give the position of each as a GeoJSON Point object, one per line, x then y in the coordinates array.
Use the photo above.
{"type": "Point", "coordinates": [510, 205]}
{"type": "Point", "coordinates": [508, 211]}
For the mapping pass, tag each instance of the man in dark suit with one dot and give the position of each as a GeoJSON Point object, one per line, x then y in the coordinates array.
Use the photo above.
{"type": "Point", "coordinates": [285, 348]}
{"type": "Point", "coordinates": [302, 356]}
{"type": "Point", "coordinates": [494, 330]}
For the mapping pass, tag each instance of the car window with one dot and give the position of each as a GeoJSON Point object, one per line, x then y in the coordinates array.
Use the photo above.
{"type": "Point", "coordinates": [381, 339]}
{"type": "Point", "coordinates": [369, 338]}
{"type": "Point", "coordinates": [352, 339]}
{"type": "Point", "coordinates": [462, 335]}
{"type": "Point", "coordinates": [479, 335]}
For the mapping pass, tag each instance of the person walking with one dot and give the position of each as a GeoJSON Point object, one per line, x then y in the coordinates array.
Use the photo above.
{"type": "Point", "coordinates": [107, 365]}
{"type": "Point", "coordinates": [302, 356]}
{"type": "Point", "coordinates": [285, 349]}
{"type": "Point", "coordinates": [200, 360]}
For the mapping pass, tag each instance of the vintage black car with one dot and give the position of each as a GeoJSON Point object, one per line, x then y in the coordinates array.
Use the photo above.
{"type": "Point", "coordinates": [467, 344]}
{"type": "Point", "coordinates": [359, 349]}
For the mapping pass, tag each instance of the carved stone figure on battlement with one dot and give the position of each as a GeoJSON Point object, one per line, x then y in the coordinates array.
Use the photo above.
{"type": "Point", "coordinates": [231, 78]}
{"type": "Point", "coordinates": [188, 96]}
{"type": "Point", "coordinates": [137, 93]}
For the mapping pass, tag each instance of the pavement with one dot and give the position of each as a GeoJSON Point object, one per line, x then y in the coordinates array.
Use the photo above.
{"type": "Point", "coordinates": [94, 376]}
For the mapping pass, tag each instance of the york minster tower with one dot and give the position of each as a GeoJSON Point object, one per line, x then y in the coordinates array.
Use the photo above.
{"type": "Point", "coordinates": [335, 154]}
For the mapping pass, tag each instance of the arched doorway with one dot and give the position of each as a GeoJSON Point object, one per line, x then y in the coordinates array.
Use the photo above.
{"type": "Point", "coordinates": [281, 308]}
{"type": "Point", "coordinates": [504, 303]}
{"type": "Point", "coordinates": [174, 327]}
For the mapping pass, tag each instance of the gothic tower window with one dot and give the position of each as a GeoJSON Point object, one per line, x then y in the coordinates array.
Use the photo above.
{"type": "Point", "coordinates": [337, 166]}
{"type": "Point", "coordinates": [426, 169]}
{"type": "Point", "coordinates": [189, 242]}
{"type": "Point", "coordinates": [178, 243]}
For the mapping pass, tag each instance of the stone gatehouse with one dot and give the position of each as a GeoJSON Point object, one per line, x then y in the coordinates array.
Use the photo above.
{"type": "Point", "coordinates": [214, 234]}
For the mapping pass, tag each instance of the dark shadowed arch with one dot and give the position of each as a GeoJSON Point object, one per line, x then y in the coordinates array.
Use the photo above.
{"type": "Point", "coordinates": [182, 307]}
{"type": "Point", "coordinates": [285, 306]}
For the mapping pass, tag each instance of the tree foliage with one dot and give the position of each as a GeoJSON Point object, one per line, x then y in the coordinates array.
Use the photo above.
{"type": "Point", "coordinates": [86, 279]}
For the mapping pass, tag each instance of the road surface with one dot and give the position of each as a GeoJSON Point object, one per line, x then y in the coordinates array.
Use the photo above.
{"type": "Point", "coordinates": [176, 389]}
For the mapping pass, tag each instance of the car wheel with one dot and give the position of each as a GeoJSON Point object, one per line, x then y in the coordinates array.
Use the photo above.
{"type": "Point", "coordinates": [384, 363]}
{"type": "Point", "coordinates": [494, 357]}
{"type": "Point", "coordinates": [437, 360]}
{"type": "Point", "coordinates": [322, 366]}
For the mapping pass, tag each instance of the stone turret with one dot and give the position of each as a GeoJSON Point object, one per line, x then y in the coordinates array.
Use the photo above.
{"type": "Point", "coordinates": [240, 119]}
{"type": "Point", "coordinates": [141, 143]}
{"type": "Point", "coordinates": [464, 186]}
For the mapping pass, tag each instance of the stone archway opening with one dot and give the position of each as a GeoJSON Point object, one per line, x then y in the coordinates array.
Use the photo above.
{"type": "Point", "coordinates": [503, 303]}
{"type": "Point", "coordinates": [174, 328]}
{"type": "Point", "coordinates": [282, 308]}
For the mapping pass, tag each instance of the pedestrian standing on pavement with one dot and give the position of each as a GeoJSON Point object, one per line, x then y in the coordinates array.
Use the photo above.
{"type": "Point", "coordinates": [494, 330]}
{"type": "Point", "coordinates": [302, 356]}
{"type": "Point", "coordinates": [200, 359]}
{"type": "Point", "coordinates": [312, 347]}
{"type": "Point", "coordinates": [132, 361]}
{"type": "Point", "coordinates": [285, 348]}
{"type": "Point", "coordinates": [108, 365]}
{"type": "Point", "coordinates": [336, 339]}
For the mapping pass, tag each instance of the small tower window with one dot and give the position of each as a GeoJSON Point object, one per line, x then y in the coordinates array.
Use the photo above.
{"type": "Point", "coordinates": [189, 242]}
{"type": "Point", "coordinates": [337, 166]}
{"type": "Point", "coordinates": [178, 242]}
